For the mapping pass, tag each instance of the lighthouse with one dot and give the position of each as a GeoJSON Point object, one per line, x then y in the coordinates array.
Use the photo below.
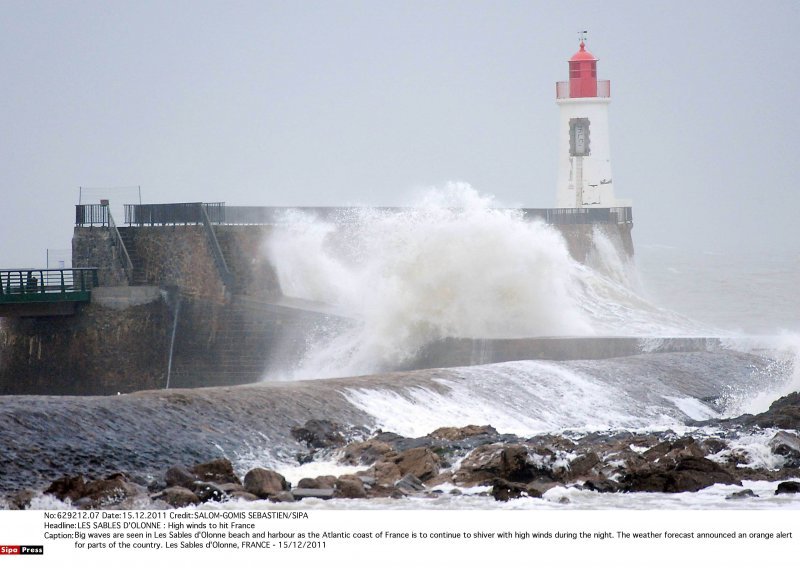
{"type": "Point", "coordinates": [584, 163]}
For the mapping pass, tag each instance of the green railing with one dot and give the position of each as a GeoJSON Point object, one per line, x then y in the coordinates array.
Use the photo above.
{"type": "Point", "coordinates": [29, 285]}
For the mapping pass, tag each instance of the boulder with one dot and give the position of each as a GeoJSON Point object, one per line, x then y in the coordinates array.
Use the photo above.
{"type": "Point", "coordinates": [515, 465]}
{"type": "Point", "coordinates": [216, 471]}
{"type": "Point", "coordinates": [783, 414]}
{"type": "Point", "coordinates": [319, 434]}
{"type": "Point", "coordinates": [209, 491]}
{"type": "Point", "coordinates": [243, 495]}
{"type": "Point", "coordinates": [67, 487]}
{"type": "Point", "coordinates": [180, 476]}
{"type": "Point", "coordinates": [349, 487]}
{"type": "Point", "coordinates": [503, 490]}
{"type": "Point", "coordinates": [282, 497]}
{"type": "Point", "coordinates": [581, 466]}
{"type": "Point", "coordinates": [265, 482]}
{"type": "Point", "coordinates": [788, 487]}
{"type": "Point", "coordinates": [177, 496]}
{"type": "Point", "coordinates": [787, 445]}
{"type": "Point", "coordinates": [110, 491]}
{"type": "Point", "coordinates": [321, 482]}
{"type": "Point", "coordinates": [455, 434]}
{"type": "Point", "coordinates": [688, 474]}
{"type": "Point", "coordinates": [601, 485]}
{"type": "Point", "coordinates": [410, 483]}
{"type": "Point", "coordinates": [21, 500]}
{"type": "Point", "coordinates": [744, 494]}
{"type": "Point", "coordinates": [673, 451]}
{"type": "Point", "coordinates": [385, 473]}
{"type": "Point", "coordinates": [367, 452]}
{"type": "Point", "coordinates": [420, 462]}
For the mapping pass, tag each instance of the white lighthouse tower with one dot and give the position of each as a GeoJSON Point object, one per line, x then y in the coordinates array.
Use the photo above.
{"type": "Point", "coordinates": [584, 163]}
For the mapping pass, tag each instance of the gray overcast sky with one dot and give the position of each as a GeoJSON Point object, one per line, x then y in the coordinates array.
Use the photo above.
{"type": "Point", "coordinates": [344, 102]}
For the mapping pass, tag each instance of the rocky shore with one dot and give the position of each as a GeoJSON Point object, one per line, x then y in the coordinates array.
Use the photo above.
{"type": "Point", "coordinates": [456, 460]}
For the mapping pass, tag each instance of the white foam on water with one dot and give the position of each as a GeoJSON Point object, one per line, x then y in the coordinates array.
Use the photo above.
{"type": "Point", "coordinates": [453, 265]}
{"type": "Point", "coordinates": [521, 397]}
{"type": "Point", "coordinates": [693, 408]}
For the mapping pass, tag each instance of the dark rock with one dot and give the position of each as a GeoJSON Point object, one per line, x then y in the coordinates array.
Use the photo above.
{"type": "Point", "coordinates": [514, 464]}
{"type": "Point", "coordinates": [217, 471]}
{"type": "Point", "coordinates": [180, 476]}
{"type": "Point", "coordinates": [209, 491]}
{"type": "Point", "coordinates": [410, 483]}
{"type": "Point", "coordinates": [282, 497]}
{"type": "Point", "coordinates": [713, 445]}
{"type": "Point", "coordinates": [326, 481]}
{"type": "Point", "coordinates": [582, 465]}
{"type": "Point", "coordinates": [601, 485]}
{"type": "Point", "coordinates": [420, 462]}
{"type": "Point", "coordinates": [243, 495]}
{"type": "Point", "coordinates": [456, 434]}
{"type": "Point", "coordinates": [503, 490]}
{"type": "Point", "coordinates": [177, 496]}
{"type": "Point", "coordinates": [21, 500]}
{"type": "Point", "coordinates": [72, 488]}
{"type": "Point", "coordinates": [783, 414]}
{"type": "Point", "coordinates": [688, 474]}
{"type": "Point", "coordinates": [788, 487]}
{"type": "Point", "coordinates": [367, 452]}
{"type": "Point", "coordinates": [265, 482]}
{"type": "Point", "coordinates": [674, 450]}
{"type": "Point", "coordinates": [744, 494]}
{"type": "Point", "coordinates": [385, 473]}
{"type": "Point", "coordinates": [307, 483]}
{"type": "Point", "coordinates": [787, 445]}
{"type": "Point", "coordinates": [480, 467]}
{"type": "Point", "coordinates": [231, 487]}
{"type": "Point", "coordinates": [349, 487]}
{"type": "Point", "coordinates": [321, 482]}
{"type": "Point", "coordinates": [111, 491]}
{"type": "Point", "coordinates": [319, 434]}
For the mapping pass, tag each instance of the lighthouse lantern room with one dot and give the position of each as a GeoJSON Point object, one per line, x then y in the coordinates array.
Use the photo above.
{"type": "Point", "coordinates": [584, 172]}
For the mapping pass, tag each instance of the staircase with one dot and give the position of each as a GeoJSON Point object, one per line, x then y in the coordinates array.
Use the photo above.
{"type": "Point", "coordinates": [139, 278]}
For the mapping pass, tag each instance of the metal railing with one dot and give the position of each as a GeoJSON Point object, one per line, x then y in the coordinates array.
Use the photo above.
{"type": "Point", "coordinates": [582, 215]}
{"type": "Point", "coordinates": [216, 250]}
{"type": "Point", "coordinates": [173, 213]}
{"type": "Point", "coordinates": [20, 285]}
{"type": "Point", "coordinates": [91, 215]}
{"type": "Point", "coordinates": [122, 250]}
{"type": "Point", "coordinates": [220, 214]}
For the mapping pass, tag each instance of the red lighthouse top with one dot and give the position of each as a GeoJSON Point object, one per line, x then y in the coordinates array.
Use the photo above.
{"type": "Point", "coordinates": [582, 74]}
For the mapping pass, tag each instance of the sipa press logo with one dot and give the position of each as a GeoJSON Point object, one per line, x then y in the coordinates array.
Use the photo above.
{"type": "Point", "coordinates": [21, 549]}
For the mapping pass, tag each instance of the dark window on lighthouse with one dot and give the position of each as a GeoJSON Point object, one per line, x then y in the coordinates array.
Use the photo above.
{"type": "Point", "coordinates": [574, 69]}
{"type": "Point", "coordinates": [579, 137]}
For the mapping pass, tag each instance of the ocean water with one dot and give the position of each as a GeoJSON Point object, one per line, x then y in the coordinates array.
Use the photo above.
{"type": "Point", "coordinates": [457, 266]}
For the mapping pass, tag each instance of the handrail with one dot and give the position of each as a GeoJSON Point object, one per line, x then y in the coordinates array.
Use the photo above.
{"type": "Point", "coordinates": [216, 250]}
{"type": "Point", "coordinates": [221, 214]}
{"type": "Point", "coordinates": [91, 214]}
{"type": "Point", "coordinates": [46, 284]}
{"type": "Point", "coordinates": [116, 238]}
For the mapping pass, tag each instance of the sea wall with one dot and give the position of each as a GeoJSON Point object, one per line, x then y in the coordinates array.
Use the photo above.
{"type": "Point", "coordinates": [102, 349]}
{"type": "Point", "coordinates": [224, 334]}
{"type": "Point", "coordinates": [93, 247]}
{"type": "Point", "coordinates": [580, 239]}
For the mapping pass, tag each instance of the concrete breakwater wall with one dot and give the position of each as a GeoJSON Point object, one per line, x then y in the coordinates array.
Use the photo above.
{"type": "Point", "coordinates": [145, 433]}
{"type": "Point", "coordinates": [226, 331]}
